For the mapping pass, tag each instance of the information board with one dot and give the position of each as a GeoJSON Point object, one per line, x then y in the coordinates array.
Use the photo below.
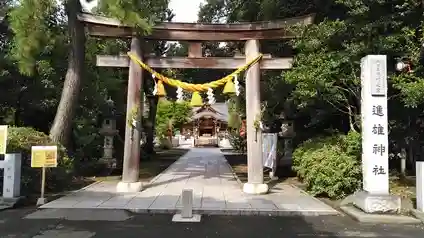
{"type": "Point", "coordinates": [43, 156]}
{"type": "Point", "coordinates": [3, 139]}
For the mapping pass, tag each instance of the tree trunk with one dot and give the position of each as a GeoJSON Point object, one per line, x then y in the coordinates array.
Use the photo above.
{"type": "Point", "coordinates": [150, 124]}
{"type": "Point", "coordinates": [18, 105]}
{"type": "Point", "coordinates": [152, 100]}
{"type": "Point", "coordinates": [62, 125]}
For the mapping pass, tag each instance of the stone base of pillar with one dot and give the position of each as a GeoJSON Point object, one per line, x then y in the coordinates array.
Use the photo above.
{"type": "Point", "coordinates": [254, 188]}
{"type": "Point", "coordinates": [374, 203]}
{"type": "Point", "coordinates": [124, 187]}
{"type": "Point", "coordinates": [41, 201]}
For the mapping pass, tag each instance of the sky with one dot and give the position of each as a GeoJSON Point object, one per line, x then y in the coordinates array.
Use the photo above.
{"type": "Point", "coordinates": [184, 10]}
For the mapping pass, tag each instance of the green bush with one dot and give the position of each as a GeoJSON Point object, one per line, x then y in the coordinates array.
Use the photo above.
{"type": "Point", "coordinates": [239, 143]}
{"type": "Point", "coordinates": [330, 166]}
{"type": "Point", "coordinates": [171, 114]}
{"type": "Point", "coordinates": [20, 140]}
{"type": "Point", "coordinates": [234, 120]}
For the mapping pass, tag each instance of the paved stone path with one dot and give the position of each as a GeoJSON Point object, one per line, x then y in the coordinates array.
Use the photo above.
{"type": "Point", "coordinates": [216, 191]}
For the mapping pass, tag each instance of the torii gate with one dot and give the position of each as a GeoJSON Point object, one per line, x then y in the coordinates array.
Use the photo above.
{"type": "Point", "coordinates": [194, 33]}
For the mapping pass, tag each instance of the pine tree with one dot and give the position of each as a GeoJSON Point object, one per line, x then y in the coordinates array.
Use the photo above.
{"type": "Point", "coordinates": [31, 22]}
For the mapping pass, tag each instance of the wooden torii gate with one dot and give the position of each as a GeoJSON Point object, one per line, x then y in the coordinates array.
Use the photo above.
{"type": "Point", "coordinates": [194, 33]}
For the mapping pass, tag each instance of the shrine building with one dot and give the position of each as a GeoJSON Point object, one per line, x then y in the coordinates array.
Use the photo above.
{"type": "Point", "coordinates": [208, 125]}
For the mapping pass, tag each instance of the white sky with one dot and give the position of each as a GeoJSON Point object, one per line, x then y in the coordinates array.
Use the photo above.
{"type": "Point", "coordinates": [184, 10]}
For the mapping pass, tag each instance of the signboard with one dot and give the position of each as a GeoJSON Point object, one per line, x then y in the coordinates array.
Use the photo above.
{"type": "Point", "coordinates": [3, 139]}
{"type": "Point", "coordinates": [375, 162]}
{"type": "Point", "coordinates": [43, 156]}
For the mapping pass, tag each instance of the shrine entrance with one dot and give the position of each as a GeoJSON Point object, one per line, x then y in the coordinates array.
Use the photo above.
{"type": "Point", "coordinates": [206, 127]}
{"type": "Point", "coordinates": [209, 124]}
{"type": "Point", "coordinates": [193, 33]}
{"type": "Point", "coordinates": [206, 132]}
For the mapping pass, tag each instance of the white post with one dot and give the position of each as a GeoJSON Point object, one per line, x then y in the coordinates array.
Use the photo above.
{"type": "Point", "coordinates": [420, 185]}
{"type": "Point", "coordinates": [12, 175]}
{"type": "Point", "coordinates": [403, 161]}
{"type": "Point", "coordinates": [375, 160]}
{"type": "Point", "coordinates": [42, 200]}
{"type": "Point", "coordinates": [186, 214]}
{"type": "Point", "coordinates": [187, 202]}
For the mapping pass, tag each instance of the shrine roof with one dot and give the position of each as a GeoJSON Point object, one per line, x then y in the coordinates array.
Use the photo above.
{"type": "Point", "coordinates": [217, 110]}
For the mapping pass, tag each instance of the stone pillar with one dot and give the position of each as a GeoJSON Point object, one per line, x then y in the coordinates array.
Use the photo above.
{"type": "Point", "coordinates": [255, 181]}
{"type": "Point", "coordinates": [131, 164]}
{"type": "Point", "coordinates": [375, 197]}
{"type": "Point", "coordinates": [11, 175]}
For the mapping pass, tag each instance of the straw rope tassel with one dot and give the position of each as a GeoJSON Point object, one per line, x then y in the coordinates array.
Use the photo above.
{"type": "Point", "coordinates": [196, 100]}
{"type": "Point", "coordinates": [229, 87]}
{"type": "Point", "coordinates": [161, 89]}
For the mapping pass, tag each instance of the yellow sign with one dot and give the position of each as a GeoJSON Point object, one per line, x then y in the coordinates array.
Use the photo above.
{"type": "Point", "coordinates": [43, 156]}
{"type": "Point", "coordinates": [3, 139]}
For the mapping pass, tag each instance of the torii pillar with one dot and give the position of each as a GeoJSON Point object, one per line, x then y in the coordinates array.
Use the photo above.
{"type": "Point", "coordinates": [131, 164]}
{"type": "Point", "coordinates": [255, 179]}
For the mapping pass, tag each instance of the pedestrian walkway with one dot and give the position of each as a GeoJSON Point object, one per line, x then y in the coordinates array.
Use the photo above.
{"type": "Point", "coordinates": [216, 191]}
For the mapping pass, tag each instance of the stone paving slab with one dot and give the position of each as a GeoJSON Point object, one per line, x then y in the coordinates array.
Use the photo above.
{"type": "Point", "coordinates": [216, 190]}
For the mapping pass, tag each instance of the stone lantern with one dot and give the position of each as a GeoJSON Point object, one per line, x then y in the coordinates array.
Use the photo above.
{"type": "Point", "coordinates": [287, 133]}
{"type": "Point", "coordinates": [287, 129]}
{"type": "Point", "coordinates": [109, 131]}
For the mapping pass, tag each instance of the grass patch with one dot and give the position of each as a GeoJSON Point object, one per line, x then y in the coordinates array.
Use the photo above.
{"type": "Point", "coordinates": [152, 167]}
{"type": "Point", "coordinates": [148, 170]}
{"type": "Point", "coordinates": [404, 186]}
{"type": "Point", "coordinates": [238, 162]}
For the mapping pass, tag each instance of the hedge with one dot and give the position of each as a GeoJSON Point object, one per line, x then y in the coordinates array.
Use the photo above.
{"type": "Point", "coordinates": [330, 166]}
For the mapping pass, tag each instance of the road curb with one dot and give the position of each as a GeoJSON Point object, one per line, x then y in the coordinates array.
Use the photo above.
{"type": "Point", "coordinates": [238, 212]}
{"type": "Point", "coordinates": [59, 213]}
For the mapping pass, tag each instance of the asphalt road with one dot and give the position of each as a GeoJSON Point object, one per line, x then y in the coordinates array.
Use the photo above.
{"type": "Point", "coordinates": [12, 224]}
